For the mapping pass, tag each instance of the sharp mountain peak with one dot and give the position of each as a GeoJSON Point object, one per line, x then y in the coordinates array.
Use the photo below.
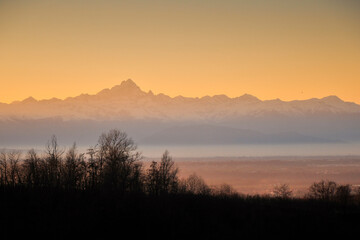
{"type": "Point", "coordinates": [126, 85]}
{"type": "Point", "coordinates": [129, 89]}
{"type": "Point", "coordinates": [29, 100]}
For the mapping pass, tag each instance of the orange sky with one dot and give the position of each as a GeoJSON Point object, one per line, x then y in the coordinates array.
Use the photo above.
{"type": "Point", "coordinates": [267, 48]}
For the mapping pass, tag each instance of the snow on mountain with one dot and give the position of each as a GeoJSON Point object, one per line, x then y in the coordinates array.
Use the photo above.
{"type": "Point", "coordinates": [128, 101]}
{"type": "Point", "coordinates": [159, 119]}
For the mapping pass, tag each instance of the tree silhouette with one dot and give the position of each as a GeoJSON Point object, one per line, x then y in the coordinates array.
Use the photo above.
{"type": "Point", "coordinates": [4, 168]}
{"type": "Point", "coordinates": [162, 177]}
{"type": "Point", "coordinates": [10, 168]}
{"type": "Point", "coordinates": [324, 190]}
{"type": "Point", "coordinates": [343, 193]}
{"type": "Point", "coordinates": [282, 191]}
{"type": "Point", "coordinates": [122, 169]}
{"type": "Point", "coordinates": [225, 190]}
{"type": "Point", "coordinates": [32, 169]}
{"type": "Point", "coordinates": [53, 163]}
{"type": "Point", "coordinates": [74, 169]}
{"type": "Point", "coordinates": [196, 185]}
{"type": "Point", "coordinates": [94, 168]}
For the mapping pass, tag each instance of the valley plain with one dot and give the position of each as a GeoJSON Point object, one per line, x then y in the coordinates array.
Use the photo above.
{"type": "Point", "coordinates": [259, 175]}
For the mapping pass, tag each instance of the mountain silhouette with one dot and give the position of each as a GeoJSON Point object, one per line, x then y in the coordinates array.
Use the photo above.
{"type": "Point", "coordinates": [128, 101]}
{"type": "Point", "coordinates": [160, 119]}
{"type": "Point", "coordinates": [127, 89]}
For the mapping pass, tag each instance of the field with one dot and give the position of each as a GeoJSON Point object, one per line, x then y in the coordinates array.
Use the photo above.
{"type": "Point", "coordinates": [259, 175]}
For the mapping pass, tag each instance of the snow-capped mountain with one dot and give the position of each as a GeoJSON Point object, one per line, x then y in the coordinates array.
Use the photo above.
{"type": "Point", "coordinates": [159, 119]}
{"type": "Point", "coordinates": [128, 101]}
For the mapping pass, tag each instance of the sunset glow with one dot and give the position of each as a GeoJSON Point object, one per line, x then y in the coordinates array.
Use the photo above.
{"type": "Point", "coordinates": [225, 119]}
{"type": "Point", "coordinates": [270, 49]}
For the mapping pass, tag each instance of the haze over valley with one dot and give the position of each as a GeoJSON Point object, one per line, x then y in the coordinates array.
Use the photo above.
{"type": "Point", "coordinates": [223, 119]}
{"type": "Point", "coordinates": [159, 120]}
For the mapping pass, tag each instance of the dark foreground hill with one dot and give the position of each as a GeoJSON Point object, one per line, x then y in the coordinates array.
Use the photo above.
{"type": "Point", "coordinates": [61, 214]}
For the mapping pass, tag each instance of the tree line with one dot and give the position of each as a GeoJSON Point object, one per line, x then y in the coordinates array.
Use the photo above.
{"type": "Point", "coordinates": [114, 164]}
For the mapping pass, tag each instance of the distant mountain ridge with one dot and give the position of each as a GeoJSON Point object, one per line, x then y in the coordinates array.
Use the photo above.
{"type": "Point", "coordinates": [159, 119]}
{"type": "Point", "coordinates": [128, 101]}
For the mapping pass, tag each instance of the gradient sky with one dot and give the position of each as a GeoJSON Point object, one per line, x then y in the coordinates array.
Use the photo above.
{"type": "Point", "coordinates": [270, 49]}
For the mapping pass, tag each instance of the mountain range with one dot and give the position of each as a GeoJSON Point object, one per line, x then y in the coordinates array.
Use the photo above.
{"type": "Point", "coordinates": [158, 119]}
{"type": "Point", "coordinates": [128, 101]}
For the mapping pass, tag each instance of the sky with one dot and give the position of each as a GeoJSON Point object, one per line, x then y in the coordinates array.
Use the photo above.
{"type": "Point", "coordinates": [268, 48]}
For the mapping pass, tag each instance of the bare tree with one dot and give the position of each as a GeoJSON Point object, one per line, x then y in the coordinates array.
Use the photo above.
{"type": "Point", "coordinates": [168, 174]}
{"type": "Point", "coordinates": [53, 162]}
{"type": "Point", "coordinates": [94, 168]}
{"type": "Point", "coordinates": [74, 169]}
{"type": "Point", "coordinates": [152, 179]}
{"type": "Point", "coordinates": [162, 177]}
{"type": "Point", "coordinates": [32, 168]}
{"type": "Point", "coordinates": [10, 168]}
{"type": "Point", "coordinates": [196, 185]}
{"type": "Point", "coordinates": [282, 191]}
{"type": "Point", "coordinates": [4, 168]}
{"type": "Point", "coordinates": [121, 168]}
{"type": "Point", "coordinates": [324, 190]}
